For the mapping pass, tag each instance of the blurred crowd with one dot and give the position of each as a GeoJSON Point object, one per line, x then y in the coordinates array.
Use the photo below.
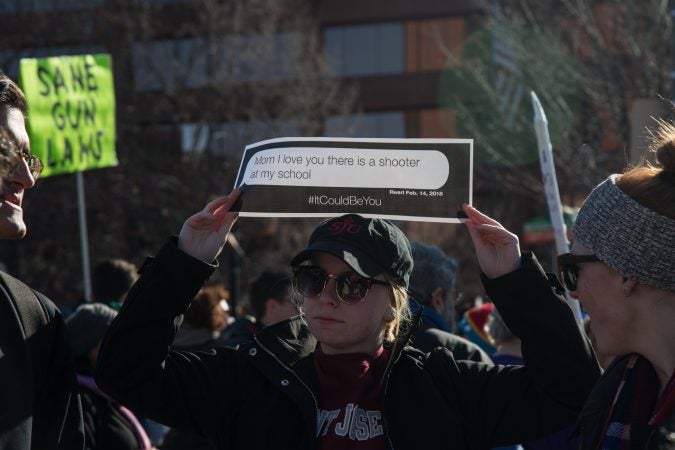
{"type": "Point", "coordinates": [360, 343]}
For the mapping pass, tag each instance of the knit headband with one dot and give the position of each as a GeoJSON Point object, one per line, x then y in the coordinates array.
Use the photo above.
{"type": "Point", "coordinates": [634, 240]}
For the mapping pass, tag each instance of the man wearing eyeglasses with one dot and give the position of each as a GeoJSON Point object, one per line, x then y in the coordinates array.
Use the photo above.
{"type": "Point", "coordinates": [40, 404]}
{"type": "Point", "coordinates": [432, 284]}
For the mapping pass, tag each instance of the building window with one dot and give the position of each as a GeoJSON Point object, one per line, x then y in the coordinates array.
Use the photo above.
{"type": "Point", "coordinates": [260, 57]}
{"type": "Point", "coordinates": [24, 6]}
{"type": "Point", "coordinates": [376, 125]}
{"type": "Point", "coordinates": [365, 49]}
{"type": "Point", "coordinates": [229, 139]}
{"type": "Point", "coordinates": [436, 123]}
{"type": "Point", "coordinates": [430, 42]}
{"type": "Point", "coordinates": [192, 63]}
{"type": "Point", "coordinates": [169, 64]}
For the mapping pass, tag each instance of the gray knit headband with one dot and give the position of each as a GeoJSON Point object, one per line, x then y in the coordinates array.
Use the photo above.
{"type": "Point", "coordinates": [634, 240]}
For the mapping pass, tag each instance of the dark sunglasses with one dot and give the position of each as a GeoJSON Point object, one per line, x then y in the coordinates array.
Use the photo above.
{"type": "Point", "coordinates": [568, 269]}
{"type": "Point", "coordinates": [350, 287]}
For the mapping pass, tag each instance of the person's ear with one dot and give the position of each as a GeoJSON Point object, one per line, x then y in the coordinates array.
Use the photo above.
{"type": "Point", "coordinates": [271, 305]}
{"type": "Point", "coordinates": [390, 314]}
{"type": "Point", "coordinates": [628, 286]}
{"type": "Point", "coordinates": [438, 300]}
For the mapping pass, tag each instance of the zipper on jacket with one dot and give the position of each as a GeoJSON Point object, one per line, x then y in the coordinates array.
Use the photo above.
{"type": "Point", "coordinates": [384, 396]}
{"type": "Point", "coordinates": [397, 351]}
{"type": "Point", "coordinates": [316, 403]}
{"type": "Point", "coordinates": [384, 415]}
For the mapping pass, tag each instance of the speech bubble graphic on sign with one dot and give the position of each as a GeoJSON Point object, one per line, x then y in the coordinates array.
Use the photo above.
{"type": "Point", "coordinates": [71, 122]}
{"type": "Point", "coordinates": [368, 168]}
{"type": "Point", "coordinates": [401, 179]}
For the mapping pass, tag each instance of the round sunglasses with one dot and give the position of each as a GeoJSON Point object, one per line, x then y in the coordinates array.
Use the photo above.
{"type": "Point", "coordinates": [350, 287]}
{"type": "Point", "coordinates": [569, 270]}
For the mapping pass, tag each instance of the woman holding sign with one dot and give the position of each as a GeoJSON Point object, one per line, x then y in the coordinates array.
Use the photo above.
{"type": "Point", "coordinates": [622, 270]}
{"type": "Point", "coordinates": [341, 376]}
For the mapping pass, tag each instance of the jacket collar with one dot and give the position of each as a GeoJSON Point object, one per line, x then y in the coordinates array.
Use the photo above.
{"type": "Point", "coordinates": [288, 340]}
{"type": "Point", "coordinates": [403, 339]}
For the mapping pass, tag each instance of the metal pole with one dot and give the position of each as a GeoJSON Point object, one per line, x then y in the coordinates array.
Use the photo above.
{"type": "Point", "coordinates": [84, 239]}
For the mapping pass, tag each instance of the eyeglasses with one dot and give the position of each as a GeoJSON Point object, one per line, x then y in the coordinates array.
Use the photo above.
{"type": "Point", "coordinates": [350, 287]}
{"type": "Point", "coordinates": [568, 269]}
{"type": "Point", "coordinates": [34, 164]}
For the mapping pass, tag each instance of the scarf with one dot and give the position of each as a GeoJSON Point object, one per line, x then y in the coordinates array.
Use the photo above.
{"type": "Point", "coordinates": [637, 410]}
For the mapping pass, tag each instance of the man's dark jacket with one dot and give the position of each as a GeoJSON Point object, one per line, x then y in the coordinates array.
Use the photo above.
{"type": "Point", "coordinates": [240, 332]}
{"type": "Point", "coordinates": [426, 338]}
{"type": "Point", "coordinates": [39, 402]}
{"type": "Point", "coordinates": [263, 395]}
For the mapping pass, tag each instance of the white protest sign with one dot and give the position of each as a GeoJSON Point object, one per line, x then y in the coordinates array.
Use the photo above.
{"type": "Point", "coordinates": [551, 189]}
{"type": "Point", "coordinates": [401, 179]}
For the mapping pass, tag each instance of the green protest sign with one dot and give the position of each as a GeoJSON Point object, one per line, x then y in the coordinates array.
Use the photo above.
{"type": "Point", "coordinates": [71, 116]}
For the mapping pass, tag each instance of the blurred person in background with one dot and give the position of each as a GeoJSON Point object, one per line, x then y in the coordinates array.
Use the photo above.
{"type": "Point", "coordinates": [107, 424]}
{"type": "Point", "coordinates": [204, 320]}
{"type": "Point", "coordinates": [40, 405]}
{"type": "Point", "coordinates": [432, 284]}
{"type": "Point", "coordinates": [111, 279]}
{"type": "Point", "coordinates": [473, 322]}
{"type": "Point", "coordinates": [507, 344]}
{"type": "Point", "coordinates": [271, 301]}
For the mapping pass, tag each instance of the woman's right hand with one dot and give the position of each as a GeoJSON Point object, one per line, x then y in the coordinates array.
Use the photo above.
{"type": "Point", "coordinates": [204, 234]}
{"type": "Point", "coordinates": [496, 247]}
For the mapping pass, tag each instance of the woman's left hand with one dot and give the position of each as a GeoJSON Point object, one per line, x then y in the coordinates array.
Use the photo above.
{"type": "Point", "coordinates": [496, 247]}
{"type": "Point", "coordinates": [204, 234]}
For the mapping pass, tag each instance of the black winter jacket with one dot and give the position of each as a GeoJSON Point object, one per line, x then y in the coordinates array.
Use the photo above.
{"type": "Point", "coordinates": [427, 338]}
{"type": "Point", "coordinates": [40, 406]}
{"type": "Point", "coordinates": [263, 395]}
{"type": "Point", "coordinates": [106, 428]}
{"type": "Point", "coordinates": [593, 417]}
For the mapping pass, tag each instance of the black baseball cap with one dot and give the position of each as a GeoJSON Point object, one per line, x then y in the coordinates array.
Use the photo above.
{"type": "Point", "coordinates": [369, 246]}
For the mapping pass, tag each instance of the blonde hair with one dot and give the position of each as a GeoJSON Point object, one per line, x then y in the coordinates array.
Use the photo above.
{"type": "Point", "coordinates": [402, 315]}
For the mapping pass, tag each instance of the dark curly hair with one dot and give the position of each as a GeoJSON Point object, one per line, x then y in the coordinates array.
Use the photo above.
{"type": "Point", "coordinates": [11, 95]}
{"type": "Point", "coordinates": [7, 151]}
